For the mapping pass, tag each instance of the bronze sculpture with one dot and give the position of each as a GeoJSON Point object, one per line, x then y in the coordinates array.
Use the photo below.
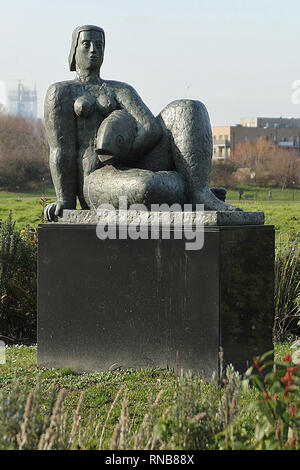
{"type": "Point", "coordinates": [105, 142]}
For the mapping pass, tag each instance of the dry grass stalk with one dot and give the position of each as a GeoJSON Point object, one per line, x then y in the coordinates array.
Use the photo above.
{"type": "Point", "coordinates": [146, 425]}
{"type": "Point", "coordinates": [124, 422]}
{"type": "Point", "coordinates": [115, 438]}
{"type": "Point", "coordinates": [221, 362]}
{"type": "Point", "coordinates": [171, 444]}
{"type": "Point", "coordinates": [83, 438]}
{"type": "Point", "coordinates": [22, 437]}
{"type": "Point", "coordinates": [76, 422]}
{"type": "Point", "coordinates": [199, 416]}
{"type": "Point", "coordinates": [47, 439]}
{"type": "Point", "coordinates": [108, 416]}
{"type": "Point", "coordinates": [120, 438]}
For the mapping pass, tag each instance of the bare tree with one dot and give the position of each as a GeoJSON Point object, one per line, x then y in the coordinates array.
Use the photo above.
{"type": "Point", "coordinates": [23, 152]}
{"type": "Point", "coordinates": [253, 154]}
{"type": "Point", "coordinates": [286, 168]}
{"type": "Point", "coordinates": [268, 162]}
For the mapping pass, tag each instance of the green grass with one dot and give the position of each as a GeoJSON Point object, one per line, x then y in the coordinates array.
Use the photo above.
{"type": "Point", "coordinates": [262, 194]}
{"type": "Point", "coordinates": [25, 206]}
{"type": "Point", "coordinates": [284, 215]}
{"type": "Point", "coordinates": [283, 211]}
{"type": "Point", "coordinates": [100, 389]}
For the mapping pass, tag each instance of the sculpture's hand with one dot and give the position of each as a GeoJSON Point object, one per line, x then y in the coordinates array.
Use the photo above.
{"type": "Point", "coordinates": [54, 209]}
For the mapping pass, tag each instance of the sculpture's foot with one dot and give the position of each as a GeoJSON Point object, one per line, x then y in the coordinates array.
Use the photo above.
{"type": "Point", "coordinates": [212, 203]}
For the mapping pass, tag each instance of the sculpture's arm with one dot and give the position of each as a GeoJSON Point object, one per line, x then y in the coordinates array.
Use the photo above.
{"type": "Point", "coordinates": [149, 130]}
{"type": "Point", "coordinates": [61, 134]}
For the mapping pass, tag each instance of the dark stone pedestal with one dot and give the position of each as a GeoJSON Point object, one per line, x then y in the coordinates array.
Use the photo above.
{"type": "Point", "coordinates": [142, 303]}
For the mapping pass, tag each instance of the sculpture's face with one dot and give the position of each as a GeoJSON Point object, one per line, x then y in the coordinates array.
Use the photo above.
{"type": "Point", "coordinates": [90, 50]}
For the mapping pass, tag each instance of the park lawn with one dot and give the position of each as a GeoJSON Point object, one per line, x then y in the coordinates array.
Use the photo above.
{"type": "Point", "coordinates": [285, 216]}
{"type": "Point", "coordinates": [26, 209]}
{"type": "Point", "coordinates": [258, 193]}
{"type": "Point", "coordinates": [100, 389]}
{"type": "Point", "coordinates": [19, 376]}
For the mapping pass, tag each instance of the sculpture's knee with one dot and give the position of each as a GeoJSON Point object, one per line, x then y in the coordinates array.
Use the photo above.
{"type": "Point", "coordinates": [184, 105]}
{"type": "Point", "coordinates": [167, 187]}
{"type": "Point", "coordinates": [147, 188]}
{"type": "Point", "coordinates": [184, 112]}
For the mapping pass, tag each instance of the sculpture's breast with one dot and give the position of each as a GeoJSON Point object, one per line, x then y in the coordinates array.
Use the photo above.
{"type": "Point", "coordinates": [85, 105]}
{"type": "Point", "coordinates": [106, 100]}
{"type": "Point", "coordinates": [99, 98]}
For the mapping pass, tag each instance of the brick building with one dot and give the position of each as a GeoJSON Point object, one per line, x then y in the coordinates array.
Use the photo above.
{"type": "Point", "coordinates": [285, 132]}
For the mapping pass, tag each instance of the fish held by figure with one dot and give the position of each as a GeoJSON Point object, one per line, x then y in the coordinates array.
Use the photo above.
{"type": "Point", "coordinates": [115, 137]}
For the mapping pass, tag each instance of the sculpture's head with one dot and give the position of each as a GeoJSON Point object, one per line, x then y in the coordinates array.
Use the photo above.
{"type": "Point", "coordinates": [87, 49]}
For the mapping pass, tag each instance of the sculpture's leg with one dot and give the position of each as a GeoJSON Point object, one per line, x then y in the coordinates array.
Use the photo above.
{"type": "Point", "coordinates": [108, 184]}
{"type": "Point", "coordinates": [188, 126]}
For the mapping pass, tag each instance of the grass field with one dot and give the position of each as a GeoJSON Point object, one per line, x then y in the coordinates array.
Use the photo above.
{"type": "Point", "coordinates": [186, 413]}
{"type": "Point", "coordinates": [19, 375]}
{"type": "Point", "coordinates": [256, 193]}
{"type": "Point", "coordinates": [285, 215]}
{"type": "Point", "coordinates": [26, 207]}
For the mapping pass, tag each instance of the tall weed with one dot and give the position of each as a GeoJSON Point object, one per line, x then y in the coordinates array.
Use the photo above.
{"type": "Point", "coordinates": [287, 293]}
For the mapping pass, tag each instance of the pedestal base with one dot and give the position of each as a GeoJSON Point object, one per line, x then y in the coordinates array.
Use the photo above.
{"type": "Point", "coordinates": [143, 303]}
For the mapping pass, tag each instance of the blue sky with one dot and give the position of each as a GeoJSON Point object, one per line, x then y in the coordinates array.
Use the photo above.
{"type": "Point", "coordinates": [240, 58]}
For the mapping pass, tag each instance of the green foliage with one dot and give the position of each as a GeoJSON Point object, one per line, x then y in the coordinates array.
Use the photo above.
{"type": "Point", "coordinates": [17, 282]}
{"type": "Point", "coordinates": [283, 215]}
{"type": "Point", "coordinates": [262, 193]}
{"type": "Point", "coordinates": [287, 292]}
{"type": "Point", "coordinates": [278, 404]}
{"type": "Point", "coordinates": [27, 207]}
{"type": "Point", "coordinates": [275, 408]}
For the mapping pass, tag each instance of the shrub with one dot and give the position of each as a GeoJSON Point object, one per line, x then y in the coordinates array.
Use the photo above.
{"type": "Point", "coordinates": [278, 404]}
{"type": "Point", "coordinates": [18, 279]}
{"type": "Point", "coordinates": [287, 293]}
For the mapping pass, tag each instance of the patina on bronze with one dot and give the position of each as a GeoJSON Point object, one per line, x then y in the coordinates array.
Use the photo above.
{"type": "Point", "coordinates": [105, 142]}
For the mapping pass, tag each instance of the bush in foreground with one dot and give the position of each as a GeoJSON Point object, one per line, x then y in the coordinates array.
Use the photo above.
{"type": "Point", "coordinates": [17, 283]}
{"type": "Point", "coordinates": [287, 293]}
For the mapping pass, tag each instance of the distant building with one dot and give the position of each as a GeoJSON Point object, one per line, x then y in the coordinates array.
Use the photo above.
{"type": "Point", "coordinates": [285, 132]}
{"type": "Point", "coordinates": [282, 123]}
{"type": "Point", "coordinates": [22, 101]}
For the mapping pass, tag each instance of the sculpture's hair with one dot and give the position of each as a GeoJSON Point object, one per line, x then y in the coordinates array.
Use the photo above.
{"type": "Point", "coordinates": [75, 36]}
